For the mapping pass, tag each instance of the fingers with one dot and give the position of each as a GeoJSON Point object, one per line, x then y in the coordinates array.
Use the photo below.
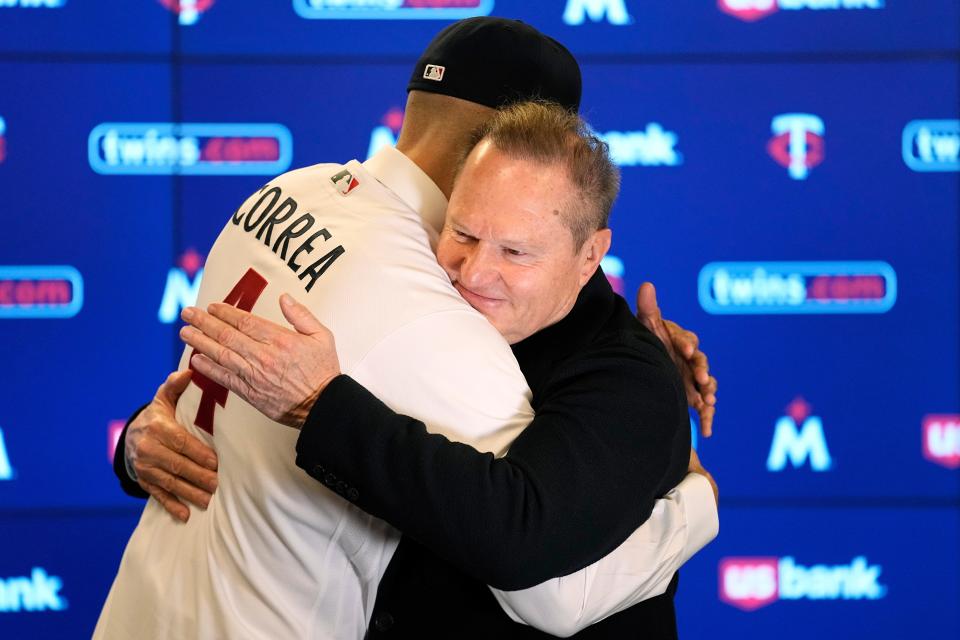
{"type": "Point", "coordinates": [709, 391]}
{"type": "Point", "coordinates": [700, 367]}
{"type": "Point", "coordinates": [249, 325]}
{"type": "Point", "coordinates": [221, 375]}
{"type": "Point", "coordinates": [159, 463]}
{"type": "Point", "coordinates": [173, 387]}
{"type": "Point", "coordinates": [685, 342]}
{"type": "Point", "coordinates": [218, 352]}
{"type": "Point", "coordinates": [706, 420]}
{"type": "Point", "coordinates": [200, 460]}
{"type": "Point", "coordinates": [174, 486]}
{"type": "Point", "coordinates": [170, 504]}
{"type": "Point", "coordinates": [299, 316]}
{"type": "Point", "coordinates": [647, 308]}
{"type": "Point", "coordinates": [220, 335]}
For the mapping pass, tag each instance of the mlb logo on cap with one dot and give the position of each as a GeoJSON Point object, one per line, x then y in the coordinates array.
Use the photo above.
{"type": "Point", "coordinates": [434, 72]}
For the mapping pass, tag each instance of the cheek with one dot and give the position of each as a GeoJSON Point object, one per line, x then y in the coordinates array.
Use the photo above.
{"type": "Point", "coordinates": [447, 254]}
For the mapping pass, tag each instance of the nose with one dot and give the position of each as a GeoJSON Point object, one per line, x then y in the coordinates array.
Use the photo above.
{"type": "Point", "coordinates": [478, 268]}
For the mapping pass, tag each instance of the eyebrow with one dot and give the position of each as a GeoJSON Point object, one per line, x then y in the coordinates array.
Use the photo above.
{"type": "Point", "coordinates": [510, 242]}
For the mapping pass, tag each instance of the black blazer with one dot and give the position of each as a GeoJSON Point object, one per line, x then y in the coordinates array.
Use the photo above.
{"type": "Point", "coordinates": [611, 435]}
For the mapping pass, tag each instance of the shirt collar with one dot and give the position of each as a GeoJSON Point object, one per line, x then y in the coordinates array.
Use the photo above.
{"type": "Point", "coordinates": [401, 175]}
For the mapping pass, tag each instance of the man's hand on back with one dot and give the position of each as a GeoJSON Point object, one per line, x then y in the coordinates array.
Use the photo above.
{"type": "Point", "coordinates": [280, 371]}
{"type": "Point", "coordinates": [170, 464]}
{"type": "Point", "coordinates": [695, 466]}
{"type": "Point", "coordinates": [682, 345]}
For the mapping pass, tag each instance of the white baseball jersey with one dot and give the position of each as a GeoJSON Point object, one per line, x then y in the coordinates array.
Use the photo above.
{"type": "Point", "coordinates": [277, 554]}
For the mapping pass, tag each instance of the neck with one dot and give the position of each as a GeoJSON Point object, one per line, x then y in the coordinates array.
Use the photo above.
{"type": "Point", "coordinates": [435, 155]}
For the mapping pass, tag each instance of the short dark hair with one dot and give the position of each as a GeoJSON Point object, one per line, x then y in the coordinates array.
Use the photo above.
{"type": "Point", "coordinates": [548, 134]}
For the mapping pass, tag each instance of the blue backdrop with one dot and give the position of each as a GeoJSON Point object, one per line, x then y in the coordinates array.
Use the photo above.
{"type": "Point", "coordinates": [791, 183]}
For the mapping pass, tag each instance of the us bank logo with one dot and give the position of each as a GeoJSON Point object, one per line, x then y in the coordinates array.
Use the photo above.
{"type": "Point", "coordinates": [40, 292]}
{"type": "Point", "coordinates": [797, 143]}
{"type": "Point", "coordinates": [391, 9]}
{"type": "Point", "coordinates": [941, 440]}
{"type": "Point", "coordinates": [797, 287]}
{"type": "Point", "coordinates": [798, 438]}
{"type": "Point", "coordinates": [753, 10]}
{"type": "Point", "coordinates": [385, 134]}
{"type": "Point", "coordinates": [182, 288]}
{"type": "Point", "coordinates": [39, 591]}
{"type": "Point", "coordinates": [932, 145]}
{"type": "Point", "coordinates": [188, 11]}
{"type": "Point", "coordinates": [749, 583]}
{"type": "Point", "coordinates": [653, 146]}
{"type": "Point", "coordinates": [166, 148]}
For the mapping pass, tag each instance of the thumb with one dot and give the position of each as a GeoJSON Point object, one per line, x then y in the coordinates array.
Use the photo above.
{"type": "Point", "coordinates": [647, 309]}
{"type": "Point", "coordinates": [299, 316]}
{"type": "Point", "coordinates": [174, 386]}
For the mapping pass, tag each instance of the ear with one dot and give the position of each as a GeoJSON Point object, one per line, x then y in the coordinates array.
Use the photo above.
{"type": "Point", "coordinates": [592, 252]}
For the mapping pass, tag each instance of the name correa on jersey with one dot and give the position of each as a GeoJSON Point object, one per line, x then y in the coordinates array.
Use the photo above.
{"type": "Point", "coordinates": [391, 9]}
{"type": "Point", "coordinates": [40, 292]}
{"type": "Point", "coordinates": [269, 212]}
{"type": "Point", "coordinates": [797, 287]}
{"type": "Point", "coordinates": [166, 148]}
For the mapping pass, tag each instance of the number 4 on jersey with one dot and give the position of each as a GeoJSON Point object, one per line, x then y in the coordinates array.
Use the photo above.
{"type": "Point", "coordinates": [243, 296]}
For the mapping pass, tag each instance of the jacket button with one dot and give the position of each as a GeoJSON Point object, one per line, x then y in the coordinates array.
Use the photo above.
{"type": "Point", "coordinates": [329, 479]}
{"type": "Point", "coordinates": [382, 621]}
{"type": "Point", "coordinates": [318, 471]}
{"type": "Point", "coordinates": [341, 487]}
{"type": "Point", "coordinates": [352, 494]}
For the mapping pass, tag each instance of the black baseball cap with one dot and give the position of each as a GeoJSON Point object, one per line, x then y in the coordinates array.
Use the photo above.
{"type": "Point", "coordinates": [496, 62]}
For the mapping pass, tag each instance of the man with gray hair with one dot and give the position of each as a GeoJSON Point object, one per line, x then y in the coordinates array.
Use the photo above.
{"type": "Point", "coordinates": [525, 231]}
{"type": "Point", "coordinates": [277, 553]}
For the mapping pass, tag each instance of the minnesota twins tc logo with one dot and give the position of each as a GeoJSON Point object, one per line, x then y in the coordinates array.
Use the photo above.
{"type": "Point", "coordinates": [797, 143]}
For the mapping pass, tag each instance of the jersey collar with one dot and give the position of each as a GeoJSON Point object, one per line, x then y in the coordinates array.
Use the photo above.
{"type": "Point", "coordinates": [401, 175]}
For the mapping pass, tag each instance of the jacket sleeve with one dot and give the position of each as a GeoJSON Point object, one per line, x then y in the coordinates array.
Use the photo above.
{"type": "Point", "coordinates": [575, 484]}
{"type": "Point", "coordinates": [682, 523]}
{"type": "Point", "coordinates": [128, 484]}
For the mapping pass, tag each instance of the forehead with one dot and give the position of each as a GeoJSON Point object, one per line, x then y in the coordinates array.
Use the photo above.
{"type": "Point", "coordinates": [496, 188]}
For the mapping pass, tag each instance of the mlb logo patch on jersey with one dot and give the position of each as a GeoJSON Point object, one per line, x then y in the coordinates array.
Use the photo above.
{"type": "Point", "coordinates": [345, 182]}
{"type": "Point", "coordinates": [434, 72]}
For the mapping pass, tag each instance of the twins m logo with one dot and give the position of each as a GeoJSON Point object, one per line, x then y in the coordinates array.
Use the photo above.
{"type": "Point", "coordinates": [798, 437]}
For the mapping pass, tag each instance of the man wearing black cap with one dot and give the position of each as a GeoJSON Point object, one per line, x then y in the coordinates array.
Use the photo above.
{"type": "Point", "coordinates": [275, 554]}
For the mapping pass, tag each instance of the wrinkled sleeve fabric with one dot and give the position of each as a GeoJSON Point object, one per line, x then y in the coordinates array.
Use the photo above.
{"type": "Point", "coordinates": [682, 522]}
